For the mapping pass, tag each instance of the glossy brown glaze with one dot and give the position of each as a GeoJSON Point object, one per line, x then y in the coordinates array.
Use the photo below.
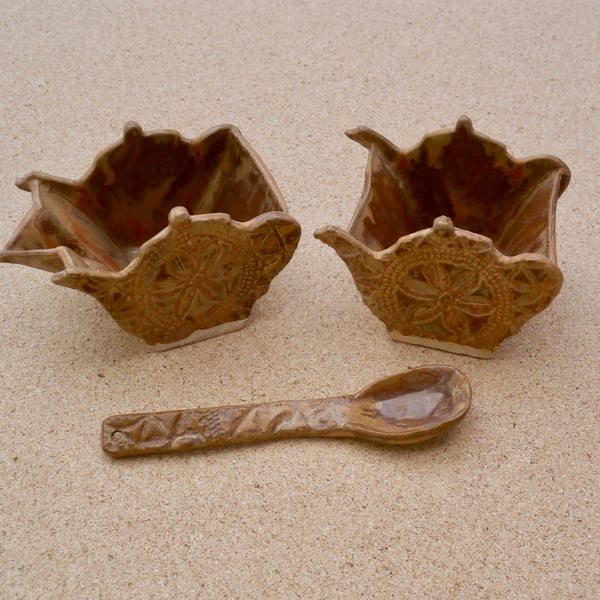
{"type": "Point", "coordinates": [408, 408]}
{"type": "Point", "coordinates": [170, 235]}
{"type": "Point", "coordinates": [486, 265]}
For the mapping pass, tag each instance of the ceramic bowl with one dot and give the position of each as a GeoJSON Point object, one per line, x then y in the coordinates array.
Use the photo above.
{"type": "Point", "coordinates": [452, 244]}
{"type": "Point", "coordinates": [176, 238]}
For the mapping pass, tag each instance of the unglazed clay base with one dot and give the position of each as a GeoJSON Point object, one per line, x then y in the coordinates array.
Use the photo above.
{"type": "Point", "coordinates": [440, 345]}
{"type": "Point", "coordinates": [201, 335]}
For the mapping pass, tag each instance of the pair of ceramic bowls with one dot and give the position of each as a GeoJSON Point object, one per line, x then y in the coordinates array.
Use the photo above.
{"type": "Point", "coordinates": [452, 244]}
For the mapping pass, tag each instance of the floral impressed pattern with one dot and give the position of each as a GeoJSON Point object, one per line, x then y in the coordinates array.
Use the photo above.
{"type": "Point", "coordinates": [199, 280]}
{"type": "Point", "coordinates": [198, 274]}
{"type": "Point", "coordinates": [448, 285]}
{"type": "Point", "coordinates": [449, 294]}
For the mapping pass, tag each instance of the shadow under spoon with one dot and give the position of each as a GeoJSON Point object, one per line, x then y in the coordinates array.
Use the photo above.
{"type": "Point", "coordinates": [406, 408]}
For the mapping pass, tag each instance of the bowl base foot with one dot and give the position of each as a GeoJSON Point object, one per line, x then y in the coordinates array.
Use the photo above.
{"type": "Point", "coordinates": [200, 335]}
{"type": "Point", "coordinates": [440, 345]}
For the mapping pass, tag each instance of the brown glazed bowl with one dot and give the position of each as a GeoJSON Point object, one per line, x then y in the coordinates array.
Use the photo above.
{"type": "Point", "coordinates": [176, 238]}
{"type": "Point", "coordinates": [452, 244]}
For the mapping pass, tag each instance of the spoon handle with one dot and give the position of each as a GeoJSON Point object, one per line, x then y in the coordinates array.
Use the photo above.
{"type": "Point", "coordinates": [180, 430]}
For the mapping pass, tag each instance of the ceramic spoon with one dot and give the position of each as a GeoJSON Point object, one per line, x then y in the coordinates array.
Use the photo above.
{"type": "Point", "coordinates": [407, 408]}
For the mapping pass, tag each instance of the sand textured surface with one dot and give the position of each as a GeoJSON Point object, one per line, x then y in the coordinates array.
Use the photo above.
{"type": "Point", "coordinates": [505, 506]}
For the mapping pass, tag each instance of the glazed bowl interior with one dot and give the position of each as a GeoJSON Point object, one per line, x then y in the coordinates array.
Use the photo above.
{"type": "Point", "coordinates": [479, 187]}
{"type": "Point", "coordinates": [130, 191]}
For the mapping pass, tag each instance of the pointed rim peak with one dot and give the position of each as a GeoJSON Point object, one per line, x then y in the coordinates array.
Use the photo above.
{"type": "Point", "coordinates": [464, 123]}
{"type": "Point", "coordinates": [443, 225]}
{"type": "Point", "coordinates": [132, 130]}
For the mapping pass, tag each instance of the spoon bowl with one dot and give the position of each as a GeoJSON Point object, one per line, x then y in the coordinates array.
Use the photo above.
{"type": "Point", "coordinates": [410, 407]}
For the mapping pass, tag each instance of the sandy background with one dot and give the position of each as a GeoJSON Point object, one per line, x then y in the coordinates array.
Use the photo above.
{"type": "Point", "coordinates": [506, 506]}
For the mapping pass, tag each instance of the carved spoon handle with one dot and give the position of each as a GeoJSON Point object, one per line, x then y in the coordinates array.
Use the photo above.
{"type": "Point", "coordinates": [406, 408]}
{"type": "Point", "coordinates": [173, 431]}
